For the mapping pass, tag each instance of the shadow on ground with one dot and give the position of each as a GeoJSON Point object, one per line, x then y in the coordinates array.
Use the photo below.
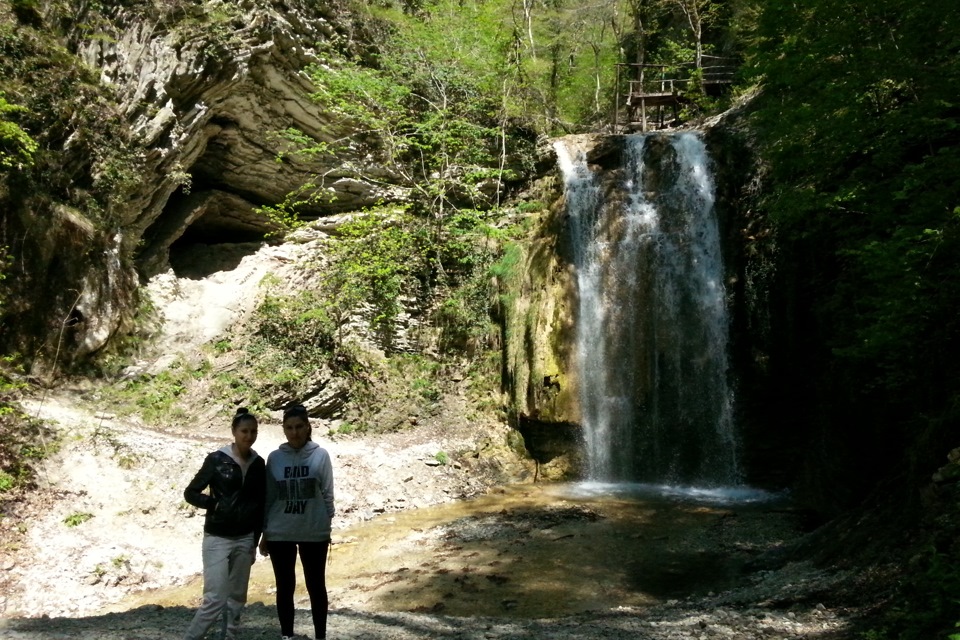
{"type": "Point", "coordinates": [155, 623]}
{"type": "Point", "coordinates": [529, 552]}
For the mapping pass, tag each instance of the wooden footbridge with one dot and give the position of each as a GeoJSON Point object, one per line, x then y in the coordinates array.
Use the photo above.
{"type": "Point", "coordinates": [660, 88]}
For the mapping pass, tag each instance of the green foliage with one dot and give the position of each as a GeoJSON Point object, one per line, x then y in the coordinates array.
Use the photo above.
{"type": "Point", "coordinates": [862, 136]}
{"type": "Point", "coordinates": [386, 257]}
{"type": "Point", "coordinates": [507, 270]}
{"type": "Point", "coordinates": [423, 107]}
{"type": "Point", "coordinates": [68, 140]}
{"type": "Point", "coordinates": [286, 215]}
{"type": "Point", "coordinates": [16, 145]}
{"type": "Point", "coordinates": [380, 258]}
{"type": "Point", "coordinates": [6, 261]}
{"type": "Point", "coordinates": [550, 65]}
{"type": "Point", "coordinates": [566, 54]}
{"type": "Point", "coordinates": [24, 441]}
{"type": "Point", "coordinates": [442, 457]}
{"type": "Point", "coordinates": [426, 389]}
{"type": "Point", "coordinates": [223, 346]}
{"type": "Point", "coordinates": [215, 27]}
{"type": "Point", "coordinates": [294, 338]}
{"type": "Point", "coordinates": [509, 263]}
{"type": "Point", "coordinates": [411, 385]}
{"type": "Point", "coordinates": [698, 101]}
{"type": "Point", "coordinates": [346, 428]}
{"type": "Point", "coordinates": [238, 388]}
{"type": "Point", "coordinates": [7, 482]}
{"type": "Point", "coordinates": [928, 606]}
{"type": "Point", "coordinates": [859, 123]}
{"type": "Point", "coordinates": [484, 389]}
{"type": "Point", "coordinates": [294, 324]}
{"type": "Point", "coordinates": [76, 519]}
{"type": "Point", "coordinates": [467, 249]}
{"type": "Point", "coordinates": [154, 396]}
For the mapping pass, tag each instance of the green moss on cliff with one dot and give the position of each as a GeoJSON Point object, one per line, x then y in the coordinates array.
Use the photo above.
{"type": "Point", "coordinates": [63, 199]}
{"type": "Point", "coordinates": [537, 302]}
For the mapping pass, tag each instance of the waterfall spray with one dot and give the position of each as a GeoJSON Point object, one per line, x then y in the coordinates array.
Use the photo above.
{"type": "Point", "coordinates": [652, 324]}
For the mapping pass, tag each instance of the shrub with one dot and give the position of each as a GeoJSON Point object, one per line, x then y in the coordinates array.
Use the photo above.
{"type": "Point", "coordinates": [7, 481]}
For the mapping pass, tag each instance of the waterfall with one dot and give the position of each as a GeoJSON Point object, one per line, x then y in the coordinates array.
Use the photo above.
{"type": "Point", "coordinates": [652, 323]}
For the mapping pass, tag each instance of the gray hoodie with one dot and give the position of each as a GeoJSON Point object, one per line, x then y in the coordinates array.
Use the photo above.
{"type": "Point", "coordinates": [299, 494]}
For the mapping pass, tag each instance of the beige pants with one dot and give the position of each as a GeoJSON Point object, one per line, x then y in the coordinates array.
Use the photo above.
{"type": "Point", "coordinates": [226, 572]}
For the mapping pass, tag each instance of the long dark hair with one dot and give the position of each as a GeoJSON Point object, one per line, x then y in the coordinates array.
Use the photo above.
{"type": "Point", "coordinates": [298, 411]}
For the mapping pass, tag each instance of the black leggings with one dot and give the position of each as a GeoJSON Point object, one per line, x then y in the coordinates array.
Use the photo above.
{"type": "Point", "coordinates": [313, 557]}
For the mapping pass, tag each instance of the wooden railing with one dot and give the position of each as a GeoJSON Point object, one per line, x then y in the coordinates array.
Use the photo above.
{"type": "Point", "coordinates": [659, 86]}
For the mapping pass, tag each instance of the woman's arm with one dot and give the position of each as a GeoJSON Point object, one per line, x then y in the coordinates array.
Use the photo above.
{"type": "Point", "coordinates": [194, 491]}
{"type": "Point", "coordinates": [270, 496]}
{"type": "Point", "coordinates": [326, 484]}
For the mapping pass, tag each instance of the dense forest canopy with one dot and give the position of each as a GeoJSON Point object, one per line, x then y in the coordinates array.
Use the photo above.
{"type": "Point", "coordinates": [858, 120]}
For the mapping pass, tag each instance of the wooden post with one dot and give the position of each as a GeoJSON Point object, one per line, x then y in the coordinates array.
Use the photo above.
{"type": "Point", "coordinates": [643, 106]}
{"type": "Point", "coordinates": [676, 102]}
{"type": "Point", "coordinates": [616, 103]}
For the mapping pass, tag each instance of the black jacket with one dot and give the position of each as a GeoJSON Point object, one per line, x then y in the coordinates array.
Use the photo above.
{"type": "Point", "coordinates": [235, 504]}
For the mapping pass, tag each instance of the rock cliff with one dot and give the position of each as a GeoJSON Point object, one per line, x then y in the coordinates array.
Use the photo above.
{"type": "Point", "coordinates": [197, 97]}
{"type": "Point", "coordinates": [208, 94]}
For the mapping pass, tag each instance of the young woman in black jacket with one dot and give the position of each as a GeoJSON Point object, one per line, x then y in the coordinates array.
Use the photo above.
{"type": "Point", "coordinates": [236, 480]}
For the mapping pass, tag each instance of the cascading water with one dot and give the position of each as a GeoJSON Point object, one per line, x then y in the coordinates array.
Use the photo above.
{"type": "Point", "coordinates": [652, 326]}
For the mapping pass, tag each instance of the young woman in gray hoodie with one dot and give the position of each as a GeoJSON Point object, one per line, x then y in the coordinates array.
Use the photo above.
{"type": "Point", "coordinates": [299, 510]}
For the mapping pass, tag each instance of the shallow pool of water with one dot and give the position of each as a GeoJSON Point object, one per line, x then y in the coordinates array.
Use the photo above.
{"type": "Point", "coordinates": [543, 550]}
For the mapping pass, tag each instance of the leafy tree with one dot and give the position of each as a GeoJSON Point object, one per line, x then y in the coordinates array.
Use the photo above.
{"type": "Point", "coordinates": [430, 103]}
{"type": "Point", "coordinates": [379, 259]}
{"type": "Point", "coordinates": [696, 12]}
{"type": "Point", "coordinates": [860, 121]}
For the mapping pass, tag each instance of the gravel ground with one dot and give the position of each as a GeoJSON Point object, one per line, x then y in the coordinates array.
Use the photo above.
{"type": "Point", "coordinates": [109, 517]}
{"type": "Point", "coordinates": [699, 619]}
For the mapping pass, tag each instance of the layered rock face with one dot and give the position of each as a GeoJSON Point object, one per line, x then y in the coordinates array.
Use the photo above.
{"type": "Point", "coordinates": [205, 91]}
{"type": "Point", "coordinates": [208, 94]}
